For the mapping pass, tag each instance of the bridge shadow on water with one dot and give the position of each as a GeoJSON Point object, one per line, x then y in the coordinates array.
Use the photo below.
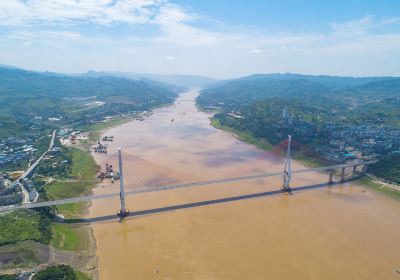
{"type": "Point", "coordinates": [200, 203]}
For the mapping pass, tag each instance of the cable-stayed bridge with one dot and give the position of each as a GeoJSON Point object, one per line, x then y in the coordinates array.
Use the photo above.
{"type": "Point", "coordinates": [147, 189]}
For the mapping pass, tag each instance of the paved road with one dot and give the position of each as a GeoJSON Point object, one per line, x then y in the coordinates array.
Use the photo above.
{"type": "Point", "coordinates": [32, 167]}
{"type": "Point", "coordinates": [148, 189]}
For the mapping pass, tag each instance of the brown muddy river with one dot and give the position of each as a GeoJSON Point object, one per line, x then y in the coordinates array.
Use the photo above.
{"type": "Point", "coordinates": [339, 232]}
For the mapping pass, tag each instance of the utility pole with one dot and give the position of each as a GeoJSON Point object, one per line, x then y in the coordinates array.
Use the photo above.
{"type": "Point", "coordinates": [123, 212]}
{"type": "Point", "coordinates": [287, 173]}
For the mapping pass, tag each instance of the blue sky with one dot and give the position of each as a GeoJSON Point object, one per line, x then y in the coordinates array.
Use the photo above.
{"type": "Point", "coordinates": [219, 38]}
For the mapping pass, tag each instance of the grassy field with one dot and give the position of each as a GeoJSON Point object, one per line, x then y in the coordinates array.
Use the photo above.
{"type": "Point", "coordinates": [23, 231]}
{"type": "Point", "coordinates": [307, 160]}
{"type": "Point", "coordinates": [371, 184]}
{"type": "Point", "coordinates": [84, 169]}
{"type": "Point", "coordinates": [96, 130]}
{"type": "Point", "coordinates": [26, 254]}
{"type": "Point", "coordinates": [24, 225]}
{"type": "Point", "coordinates": [243, 136]}
{"type": "Point", "coordinates": [69, 237]}
{"type": "Point", "coordinates": [81, 276]}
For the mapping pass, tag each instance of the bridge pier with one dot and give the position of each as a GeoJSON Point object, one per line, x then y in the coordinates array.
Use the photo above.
{"type": "Point", "coordinates": [123, 212]}
{"type": "Point", "coordinates": [330, 181]}
{"type": "Point", "coordinates": [342, 173]}
{"type": "Point", "coordinates": [354, 171]}
{"type": "Point", "coordinates": [287, 173]}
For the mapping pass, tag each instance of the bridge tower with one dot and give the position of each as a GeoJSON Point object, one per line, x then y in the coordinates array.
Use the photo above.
{"type": "Point", "coordinates": [287, 173]}
{"type": "Point", "coordinates": [123, 212]}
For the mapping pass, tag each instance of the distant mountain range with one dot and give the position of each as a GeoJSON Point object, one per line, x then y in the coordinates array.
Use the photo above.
{"type": "Point", "coordinates": [16, 82]}
{"type": "Point", "coordinates": [245, 90]}
{"type": "Point", "coordinates": [333, 82]}
{"type": "Point", "coordinates": [188, 81]}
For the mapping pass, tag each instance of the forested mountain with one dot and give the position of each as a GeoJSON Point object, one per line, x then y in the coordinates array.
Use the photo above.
{"type": "Point", "coordinates": [246, 91]}
{"type": "Point", "coordinates": [28, 96]}
{"type": "Point", "coordinates": [333, 82]}
{"type": "Point", "coordinates": [21, 83]}
{"type": "Point", "coordinates": [315, 89]}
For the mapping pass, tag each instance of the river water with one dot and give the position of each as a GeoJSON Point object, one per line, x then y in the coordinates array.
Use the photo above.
{"type": "Point", "coordinates": [339, 232]}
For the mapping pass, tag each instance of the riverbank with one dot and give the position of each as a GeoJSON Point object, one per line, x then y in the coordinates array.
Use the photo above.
{"type": "Point", "coordinates": [80, 237]}
{"type": "Point", "coordinates": [305, 160]}
{"type": "Point", "coordinates": [381, 187]}
{"type": "Point", "coordinates": [35, 240]}
{"type": "Point", "coordinates": [265, 145]}
{"type": "Point", "coordinates": [74, 244]}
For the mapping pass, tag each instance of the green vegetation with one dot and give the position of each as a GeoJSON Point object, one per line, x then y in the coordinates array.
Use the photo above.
{"type": "Point", "coordinates": [69, 237]}
{"type": "Point", "coordinates": [26, 254]}
{"type": "Point", "coordinates": [319, 109]}
{"type": "Point", "coordinates": [307, 160]}
{"type": "Point", "coordinates": [96, 129]}
{"type": "Point", "coordinates": [8, 277]}
{"type": "Point", "coordinates": [313, 99]}
{"type": "Point", "coordinates": [59, 272]}
{"type": "Point", "coordinates": [59, 166]}
{"type": "Point", "coordinates": [265, 145]}
{"type": "Point", "coordinates": [64, 237]}
{"type": "Point", "coordinates": [24, 225]}
{"type": "Point", "coordinates": [81, 276]}
{"type": "Point", "coordinates": [375, 186]}
{"type": "Point", "coordinates": [387, 169]}
{"type": "Point", "coordinates": [84, 170]}
{"type": "Point", "coordinates": [242, 135]}
{"type": "Point", "coordinates": [70, 99]}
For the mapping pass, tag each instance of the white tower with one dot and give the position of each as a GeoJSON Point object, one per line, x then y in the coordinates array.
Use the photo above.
{"type": "Point", "coordinates": [287, 173]}
{"type": "Point", "coordinates": [123, 212]}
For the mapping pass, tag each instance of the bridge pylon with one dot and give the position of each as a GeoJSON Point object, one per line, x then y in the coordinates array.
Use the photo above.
{"type": "Point", "coordinates": [287, 173]}
{"type": "Point", "coordinates": [123, 212]}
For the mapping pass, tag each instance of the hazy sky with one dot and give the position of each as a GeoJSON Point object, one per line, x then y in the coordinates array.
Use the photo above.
{"type": "Point", "coordinates": [217, 38]}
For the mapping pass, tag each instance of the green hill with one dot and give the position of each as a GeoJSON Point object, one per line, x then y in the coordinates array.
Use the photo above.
{"type": "Point", "coordinates": [26, 95]}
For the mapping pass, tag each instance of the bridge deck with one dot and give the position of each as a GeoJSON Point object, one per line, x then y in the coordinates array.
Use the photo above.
{"type": "Point", "coordinates": [148, 189]}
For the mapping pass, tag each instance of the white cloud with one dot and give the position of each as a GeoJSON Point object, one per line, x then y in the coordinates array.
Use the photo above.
{"type": "Point", "coordinates": [360, 26]}
{"type": "Point", "coordinates": [175, 25]}
{"type": "Point", "coordinates": [175, 29]}
{"type": "Point", "coordinates": [173, 21]}
{"type": "Point", "coordinates": [255, 51]}
{"type": "Point", "coordinates": [27, 12]}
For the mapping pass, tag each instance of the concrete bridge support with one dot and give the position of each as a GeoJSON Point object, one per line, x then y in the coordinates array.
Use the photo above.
{"type": "Point", "coordinates": [354, 171]}
{"type": "Point", "coordinates": [123, 212]}
{"type": "Point", "coordinates": [330, 181]}
{"type": "Point", "coordinates": [342, 173]}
